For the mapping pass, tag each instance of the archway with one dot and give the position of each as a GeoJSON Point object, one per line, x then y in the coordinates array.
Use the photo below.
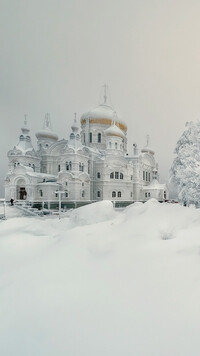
{"type": "Point", "coordinates": [21, 193]}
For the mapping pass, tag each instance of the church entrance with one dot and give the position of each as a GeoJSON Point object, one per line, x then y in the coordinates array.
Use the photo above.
{"type": "Point", "coordinates": [21, 190]}
{"type": "Point", "coordinates": [22, 193]}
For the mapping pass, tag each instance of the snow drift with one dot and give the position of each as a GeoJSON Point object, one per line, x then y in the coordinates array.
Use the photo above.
{"type": "Point", "coordinates": [101, 282]}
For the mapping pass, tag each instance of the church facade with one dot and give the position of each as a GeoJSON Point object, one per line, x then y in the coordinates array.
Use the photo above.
{"type": "Point", "coordinates": [92, 165]}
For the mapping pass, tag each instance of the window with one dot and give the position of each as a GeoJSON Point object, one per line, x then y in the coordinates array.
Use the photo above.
{"type": "Point", "coordinates": [98, 175]}
{"type": "Point", "coordinates": [70, 166]}
{"type": "Point", "coordinates": [131, 177]}
{"type": "Point", "coordinates": [65, 183]}
{"type": "Point", "coordinates": [116, 145]}
{"type": "Point", "coordinates": [83, 193]}
{"type": "Point", "coordinates": [112, 175]}
{"type": "Point", "coordinates": [149, 177]}
{"type": "Point", "coordinates": [67, 166]}
{"type": "Point", "coordinates": [82, 184]}
{"type": "Point", "coordinates": [84, 137]}
{"type": "Point", "coordinates": [165, 195]}
{"type": "Point", "coordinates": [145, 195]}
{"type": "Point", "coordinates": [66, 194]}
{"type": "Point", "coordinates": [149, 195]}
{"type": "Point", "coordinates": [121, 176]}
{"type": "Point", "coordinates": [113, 194]}
{"type": "Point", "coordinates": [99, 137]}
{"type": "Point", "coordinates": [81, 167]}
{"type": "Point", "coordinates": [56, 194]}
{"type": "Point", "coordinates": [146, 176]}
{"type": "Point", "coordinates": [116, 175]}
{"type": "Point", "coordinates": [131, 194]}
{"type": "Point", "coordinates": [90, 137]}
{"type": "Point", "coordinates": [143, 175]}
{"type": "Point", "coordinates": [98, 194]}
{"type": "Point", "coordinates": [119, 194]}
{"type": "Point", "coordinates": [33, 166]}
{"type": "Point", "coordinates": [59, 168]}
{"type": "Point", "coordinates": [41, 193]}
{"type": "Point", "coordinates": [110, 144]}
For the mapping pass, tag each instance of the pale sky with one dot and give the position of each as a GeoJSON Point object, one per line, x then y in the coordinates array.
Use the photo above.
{"type": "Point", "coordinates": [57, 54]}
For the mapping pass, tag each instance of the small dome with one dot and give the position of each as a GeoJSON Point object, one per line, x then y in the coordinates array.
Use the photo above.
{"type": "Point", "coordinates": [46, 134]}
{"type": "Point", "coordinates": [114, 131]}
{"type": "Point", "coordinates": [147, 149]}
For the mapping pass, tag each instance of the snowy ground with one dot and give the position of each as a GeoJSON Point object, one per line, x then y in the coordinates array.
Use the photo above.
{"type": "Point", "coordinates": [101, 283]}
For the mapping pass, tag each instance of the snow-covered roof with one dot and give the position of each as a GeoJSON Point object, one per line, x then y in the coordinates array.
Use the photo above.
{"type": "Point", "coordinates": [47, 134]}
{"type": "Point", "coordinates": [101, 111]}
{"type": "Point", "coordinates": [114, 130]}
{"type": "Point", "coordinates": [154, 185]}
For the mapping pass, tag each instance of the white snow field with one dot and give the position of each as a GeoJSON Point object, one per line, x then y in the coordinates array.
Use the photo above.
{"type": "Point", "coordinates": [101, 282]}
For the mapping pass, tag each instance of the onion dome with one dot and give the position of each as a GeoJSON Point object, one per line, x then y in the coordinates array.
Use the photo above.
{"type": "Point", "coordinates": [46, 132]}
{"type": "Point", "coordinates": [114, 130]}
{"type": "Point", "coordinates": [147, 149]}
{"type": "Point", "coordinates": [103, 114]}
{"type": "Point", "coordinates": [24, 144]}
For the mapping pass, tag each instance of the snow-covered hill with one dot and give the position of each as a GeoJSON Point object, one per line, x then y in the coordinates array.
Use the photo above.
{"type": "Point", "coordinates": [101, 282]}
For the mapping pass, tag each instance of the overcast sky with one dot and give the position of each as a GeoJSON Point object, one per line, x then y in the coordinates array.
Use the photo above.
{"type": "Point", "coordinates": [57, 54]}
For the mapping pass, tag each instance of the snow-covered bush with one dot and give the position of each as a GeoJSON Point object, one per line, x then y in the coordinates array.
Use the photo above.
{"type": "Point", "coordinates": [185, 170]}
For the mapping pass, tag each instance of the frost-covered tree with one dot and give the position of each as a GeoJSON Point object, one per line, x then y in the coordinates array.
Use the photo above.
{"type": "Point", "coordinates": [185, 170]}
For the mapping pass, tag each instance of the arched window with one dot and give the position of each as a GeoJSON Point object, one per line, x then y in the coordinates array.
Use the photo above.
{"type": "Point", "coordinates": [66, 194]}
{"type": "Point", "coordinates": [112, 175]}
{"type": "Point", "coordinates": [98, 175]}
{"type": "Point", "coordinates": [119, 194]}
{"type": "Point", "coordinates": [81, 167]}
{"type": "Point", "coordinates": [116, 145]}
{"type": "Point", "coordinates": [113, 194]}
{"type": "Point", "coordinates": [70, 165]}
{"type": "Point", "coordinates": [67, 166]}
{"type": "Point", "coordinates": [99, 137]}
{"type": "Point", "coordinates": [90, 137]}
{"type": "Point", "coordinates": [41, 193]}
{"type": "Point", "coordinates": [121, 176]}
{"type": "Point", "coordinates": [116, 175]}
{"type": "Point", "coordinates": [110, 144]}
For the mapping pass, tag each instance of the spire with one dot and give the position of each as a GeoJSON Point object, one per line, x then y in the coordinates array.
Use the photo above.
{"type": "Point", "coordinates": [75, 127]}
{"type": "Point", "coordinates": [25, 119]}
{"type": "Point", "coordinates": [105, 94]}
{"type": "Point", "coordinates": [47, 122]}
{"type": "Point", "coordinates": [25, 129]}
{"type": "Point", "coordinates": [105, 98]}
{"type": "Point", "coordinates": [148, 140]}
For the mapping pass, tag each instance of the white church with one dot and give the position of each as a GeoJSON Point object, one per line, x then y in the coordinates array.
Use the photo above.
{"type": "Point", "coordinates": [92, 165]}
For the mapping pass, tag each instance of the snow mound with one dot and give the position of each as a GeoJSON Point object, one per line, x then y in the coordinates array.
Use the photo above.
{"type": "Point", "coordinates": [93, 213]}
